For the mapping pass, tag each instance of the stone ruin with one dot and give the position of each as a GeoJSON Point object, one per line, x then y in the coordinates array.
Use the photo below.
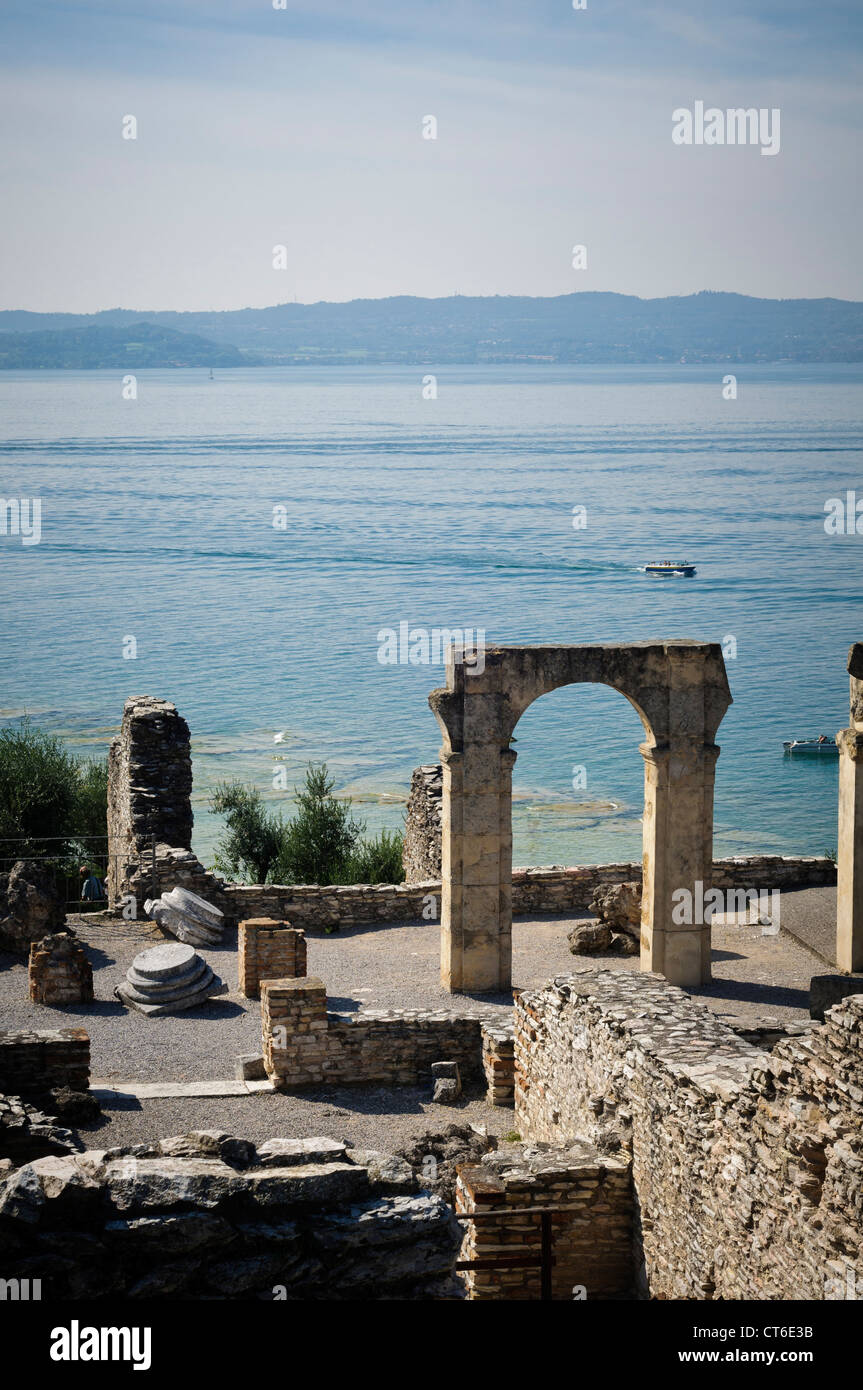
{"type": "Point", "coordinates": [849, 878]}
{"type": "Point", "coordinates": [186, 916]}
{"type": "Point", "coordinates": [680, 692]}
{"type": "Point", "coordinates": [167, 980]}
{"type": "Point", "coordinates": [31, 905]}
{"type": "Point", "coordinates": [150, 808]}
{"type": "Point", "coordinates": [59, 972]}
{"type": "Point", "coordinates": [422, 838]}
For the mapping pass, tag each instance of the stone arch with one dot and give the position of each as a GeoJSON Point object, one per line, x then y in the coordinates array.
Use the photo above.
{"type": "Point", "coordinates": [680, 692]}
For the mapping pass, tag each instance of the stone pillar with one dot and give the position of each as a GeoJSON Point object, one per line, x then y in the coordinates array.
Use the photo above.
{"type": "Point", "coordinates": [677, 854]}
{"type": "Point", "coordinates": [268, 950]}
{"type": "Point", "coordinates": [849, 858]}
{"type": "Point", "coordinates": [149, 790]}
{"type": "Point", "coordinates": [476, 937]}
{"type": "Point", "coordinates": [422, 840]}
{"type": "Point", "coordinates": [59, 972]}
{"type": "Point", "coordinates": [294, 1030]}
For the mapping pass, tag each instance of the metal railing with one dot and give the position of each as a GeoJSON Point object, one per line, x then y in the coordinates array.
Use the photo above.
{"type": "Point", "coordinates": [544, 1261]}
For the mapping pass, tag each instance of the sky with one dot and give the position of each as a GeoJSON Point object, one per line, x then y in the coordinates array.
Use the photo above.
{"type": "Point", "coordinates": [302, 127]}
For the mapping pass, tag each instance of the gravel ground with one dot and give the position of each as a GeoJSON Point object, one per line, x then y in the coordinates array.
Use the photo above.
{"type": "Point", "coordinates": [387, 966]}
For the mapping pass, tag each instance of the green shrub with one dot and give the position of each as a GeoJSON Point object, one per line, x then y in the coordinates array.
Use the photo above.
{"type": "Point", "coordinates": [322, 843]}
{"type": "Point", "coordinates": [377, 861]}
{"type": "Point", "coordinates": [254, 836]}
{"type": "Point", "coordinates": [49, 801]}
{"type": "Point", "coordinates": [320, 839]}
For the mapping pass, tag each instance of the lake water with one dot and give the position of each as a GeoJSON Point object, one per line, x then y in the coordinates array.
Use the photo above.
{"type": "Point", "coordinates": [157, 524]}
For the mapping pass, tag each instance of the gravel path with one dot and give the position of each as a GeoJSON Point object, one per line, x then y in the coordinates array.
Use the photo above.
{"type": "Point", "coordinates": [387, 966]}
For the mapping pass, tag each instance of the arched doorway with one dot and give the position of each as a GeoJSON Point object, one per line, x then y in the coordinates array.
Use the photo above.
{"type": "Point", "coordinates": [680, 692]}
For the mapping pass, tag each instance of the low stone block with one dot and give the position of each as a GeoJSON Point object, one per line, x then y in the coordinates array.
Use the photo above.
{"type": "Point", "coordinates": [827, 990]}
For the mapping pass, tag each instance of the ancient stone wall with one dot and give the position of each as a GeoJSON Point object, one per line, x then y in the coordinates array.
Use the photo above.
{"type": "Point", "coordinates": [745, 1163]}
{"type": "Point", "coordinates": [304, 1045]}
{"type": "Point", "coordinates": [591, 1238]}
{"type": "Point", "coordinates": [206, 1215]}
{"type": "Point", "coordinates": [534, 890]}
{"type": "Point", "coordinates": [149, 788]}
{"type": "Point", "coordinates": [33, 1062]}
{"type": "Point", "coordinates": [268, 950]}
{"type": "Point", "coordinates": [59, 972]}
{"type": "Point", "coordinates": [498, 1063]}
{"type": "Point", "coordinates": [422, 839]}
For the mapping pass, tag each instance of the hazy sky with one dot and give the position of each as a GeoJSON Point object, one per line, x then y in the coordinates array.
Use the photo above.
{"type": "Point", "coordinates": [303, 127]}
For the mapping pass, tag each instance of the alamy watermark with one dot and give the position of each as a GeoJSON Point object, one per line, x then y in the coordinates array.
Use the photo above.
{"type": "Point", "coordinates": [422, 646]}
{"type": "Point", "coordinates": [21, 517]}
{"type": "Point", "coordinates": [735, 126]}
{"type": "Point", "coordinates": [761, 906]}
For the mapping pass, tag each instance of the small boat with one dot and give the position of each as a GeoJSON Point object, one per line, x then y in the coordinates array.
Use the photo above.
{"type": "Point", "coordinates": [212, 378]}
{"type": "Point", "coordinates": [822, 747]}
{"type": "Point", "coordinates": [675, 567]}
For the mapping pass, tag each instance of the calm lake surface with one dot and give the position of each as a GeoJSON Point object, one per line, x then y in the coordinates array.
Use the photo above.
{"type": "Point", "coordinates": [157, 524]}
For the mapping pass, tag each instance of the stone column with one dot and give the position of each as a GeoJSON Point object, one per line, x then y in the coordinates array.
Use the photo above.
{"type": "Point", "coordinates": [476, 919]}
{"type": "Point", "coordinates": [677, 854]}
{"type": "Point", "coordinates": [149, 788]}
{"type": "Point", "coordinates": [849, 858]}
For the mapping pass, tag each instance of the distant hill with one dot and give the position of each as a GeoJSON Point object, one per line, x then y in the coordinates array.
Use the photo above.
{"type": "Point", "coordinates": [587, 327]}
{"type": "Point", "coordinates": [138, 345]}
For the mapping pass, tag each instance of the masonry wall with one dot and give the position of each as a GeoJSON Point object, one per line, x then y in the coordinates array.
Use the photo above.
{"type": "Point", "coordinates": [149, 787]}
{"type": "Point", "coordinates": [591, 1236]}
{"type": "Point", "coordinates": [31, 1061]}
{"type": "Point", "coordinates": [207, 1215]}
{"type": "Point", "coordinates": [304, 1045]}
{"type": "Point", "coordinates": [746, 1164]}
{"type": "Point", "coordinates": [422, 836]}
{"type": "Point", "coordinates": [534, 890]}
{"type": "Point", "coordinates": [268, 950]}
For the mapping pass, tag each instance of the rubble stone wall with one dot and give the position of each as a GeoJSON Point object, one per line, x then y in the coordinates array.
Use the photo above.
{"type": "Point", "coordinates": [149, 788]}
{"type": "Point", "coordinates": [32, 1062]}
{"type": "Point", "coordinates": [422, 839]}
{"type": "Point", "coordinates": [746, 1164]}
{"type": "Point", "coordinates": [534, 890]}
{"type": "Point", "coordinates": [591, 1238]}
{"type": "Point", "coordinates": [304, 1045]}
{"type": "Point", "coordinates": [59, 972]}
{"type": "Point", "coordinates": [206, 1215]}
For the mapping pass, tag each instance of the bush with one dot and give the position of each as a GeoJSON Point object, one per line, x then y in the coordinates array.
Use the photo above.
{"type": "Point", "coordinates": [377, 861]}
{"type": "Point", "coordinates": [49, 800]}
{"type": "Point", "coordinates": [254, 836]}
{"type": "Point", "coordinates": [320, 840]}
{"type": "Point", "coordinates": [322, 843]}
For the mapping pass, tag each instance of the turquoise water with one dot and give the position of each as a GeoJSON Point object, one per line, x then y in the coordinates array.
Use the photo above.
{"type": "Point", "coordinates": [454, 512]}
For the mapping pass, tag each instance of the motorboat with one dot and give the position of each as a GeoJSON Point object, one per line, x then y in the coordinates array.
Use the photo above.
{"type": "Point", "coordinates": [821, 747]}
{"type": "Point", "coordinates": [675, 567]}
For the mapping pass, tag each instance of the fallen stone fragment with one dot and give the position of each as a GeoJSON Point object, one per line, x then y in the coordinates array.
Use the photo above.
{"type": "Point", "coordinates": [168, 979]}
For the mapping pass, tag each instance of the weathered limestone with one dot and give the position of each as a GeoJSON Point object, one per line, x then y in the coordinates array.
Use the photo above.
{"type": "Point", "coordinates": [207, 1216]}
{"type": "Point", "coordinates": [680, 692]}
{"type": "Point", "coordinates": [422, 839]}
{"type": "Point", "coordinates": [746, 1163]}
{"type": "Point", "coordinates": [849, 874]}
{"type": "Point", "coordinates": [59, 972]}
{"type": "Point", "coordinates": [304, 1045]}
{"type": "Point", "coordinates": [591, 1237]}
{"type": "Point", "coordinates": [269, 950]}
{"type": "Point", "coordinates": [190, 918]}
{"type": "Point", "coordinates": [167, 980]}
{"type": "Point", "coordinates": [549, 888]}
{"type": "Point", "coordinates": [36, 1062]}
{"type": "Point", "coordinates": [149, 787]}
{"type": "Point", "coordinates": [31, 905]}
